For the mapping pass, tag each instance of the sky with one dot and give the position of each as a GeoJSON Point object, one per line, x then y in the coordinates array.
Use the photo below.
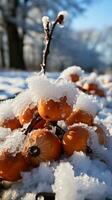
{"type": "Point", "coordinates": [98, 15]}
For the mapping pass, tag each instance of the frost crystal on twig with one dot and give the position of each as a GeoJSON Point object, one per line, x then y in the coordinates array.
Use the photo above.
{"type": "Point", "coordinates": [45, 21]}
{"type": "Point", "coordinates": [46, 25]}
{"type": "Point", "coordinates": [62, 15]}
{"type": "Point", "coordinates": [48, 30]}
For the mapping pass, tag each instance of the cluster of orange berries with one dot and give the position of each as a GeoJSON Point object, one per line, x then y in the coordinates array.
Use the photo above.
{"type": "Point", "coordinates": [42, 144]}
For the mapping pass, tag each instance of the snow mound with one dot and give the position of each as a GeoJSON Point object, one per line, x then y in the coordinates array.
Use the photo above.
{"type": "Point", "coordinates": [64, 186]}
{"type": "Point", "coordinates": [93, 78]}
{"type": "Point", "coordinates": [42, 175]}
{"type": "Point", "coordinates": [43, 88]}
{"type": "Point", "coordinates": [69, 186]}
{"type": "Point", "coordinates": [87, 103]}
{"type": "Point", "coordinates": [99, 151]}
{"type": "Point", "coordinates": [71, 70]}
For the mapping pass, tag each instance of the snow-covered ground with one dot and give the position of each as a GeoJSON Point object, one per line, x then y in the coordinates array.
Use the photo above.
{"type": "Point", "coordinates": [78, 177]}
{"type": "Point", "coordinates": [12, 83]}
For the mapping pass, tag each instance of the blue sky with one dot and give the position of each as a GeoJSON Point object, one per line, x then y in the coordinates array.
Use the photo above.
{"type": "Point", "coordinates": [98, 15]}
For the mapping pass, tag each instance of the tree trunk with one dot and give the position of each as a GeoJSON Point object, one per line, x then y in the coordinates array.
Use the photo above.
{"type": "Point", "coordinates": [2, 51]}
{"type": "Point", "coordinates": [15, 44]}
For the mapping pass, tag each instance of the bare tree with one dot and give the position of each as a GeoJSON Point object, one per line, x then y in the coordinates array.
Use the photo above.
{"type": "Point", "coordinates": [15, 40]}
{"type": "Point", "coordinates": [2, 63]}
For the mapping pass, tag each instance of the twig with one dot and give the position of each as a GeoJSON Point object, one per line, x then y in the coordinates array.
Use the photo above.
{"type": "Point", "coordinates": [82, 89]}
{"type": "Point", "coordinates": [59, 131]}
{"type": "Point", "coordinates": [46, 51]}
{"type": "Point", "coordinates": [32, 124]}
{"type": "Point", "coordinates": [48, 37]}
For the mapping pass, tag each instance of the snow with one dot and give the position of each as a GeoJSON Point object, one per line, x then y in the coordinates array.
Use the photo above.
{"type": "Point", "coordinates": [13, 142]}
{"type": "Point", "coordinates": [29, 196]}
{"type": "Point", "coordinates": [64, 186]}
{"type": "Point", "coordinates": [87, 103]}
{"type": "Point", "coordinates": [77, 177]}
{"type": "Point", "coordinates": [43, 88]}
{"type": "Point", "coordinates": [4, 132]}
{"type": "Point", "coordinates": [92, 168]}
{"type": "Point", "coordinates": [65, 15]}
{"type": "Point", "coordinates": [104, 128]}
{"type": "Point", "coordinates": [63, 12]}
{"type": "Point", "coordinates": [103, 153]}
{"type": "Point", "coordinates": [6, 111]}
{"type": "Point", "coordinates": [69, 186]}
{"type": "Point", "coordinates": [71, 70]}
{"type": "Point", "coordinates": [93, 79]}
{"type": "Point", "coordinates": [22, 102]}
{"type": "Point", "coordinates": [45, 21]}
{"type": "Point", "coordinates": [12, 82]}
{"type": "Point", "coordinates": [106, 79]}
{"type": "Point", "coordinates": [43, 175]}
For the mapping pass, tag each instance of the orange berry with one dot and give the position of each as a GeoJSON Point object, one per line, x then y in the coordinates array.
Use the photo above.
{"type": "Point", "coordinates": [11, 166]}
{"type": "Point", "coordinates": [41, 146]}
{"type": "Point", "coordinates": [100, 92]}
{"type": "Point", "coordinates": [11, 123]}
{"type": "Point", "coordinates": [54, 110]}
{"type": "Point", "coordinates": [75, 139]}
{"type": "Point", "coordinates": [90, 86]}
{"type": "Point", "coordinates": [27, 115]}
{"type": "Point", "coordinates": [74, 77]}
{"type": "Point", "coordinates": [79, 116]}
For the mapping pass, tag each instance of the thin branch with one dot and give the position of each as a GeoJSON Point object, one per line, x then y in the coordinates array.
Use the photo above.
{"type": "Point", "coordinates": [32, 124]}
{"type": "Point", "coordinates": [46, 51]}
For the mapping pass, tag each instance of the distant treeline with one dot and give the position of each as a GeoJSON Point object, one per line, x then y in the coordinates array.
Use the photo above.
{"type": "Point", "coordinates": [21, 37]}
